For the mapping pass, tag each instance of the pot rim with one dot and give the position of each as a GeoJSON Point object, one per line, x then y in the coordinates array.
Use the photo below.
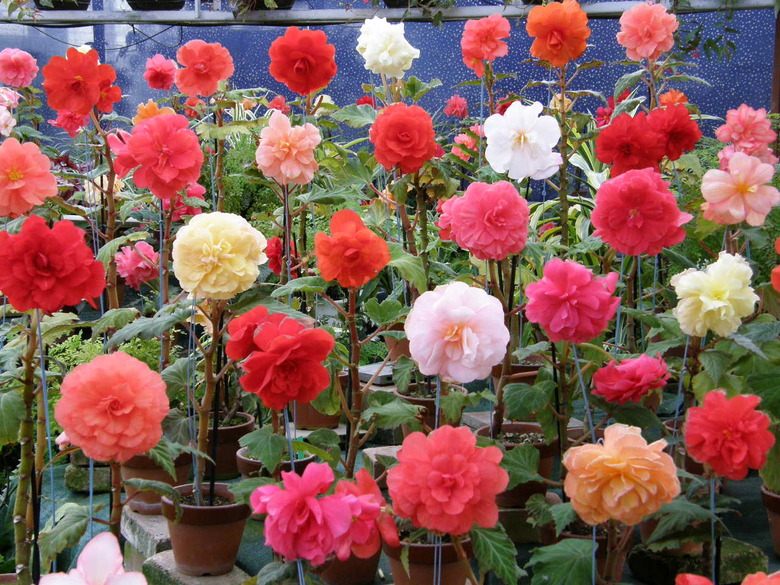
{"type": "Point", "coordinates": [421, 552]}
{"type": "Point", "coordinates": [206, 515]}
{"type": "Point", "coordinates": [770, 499]}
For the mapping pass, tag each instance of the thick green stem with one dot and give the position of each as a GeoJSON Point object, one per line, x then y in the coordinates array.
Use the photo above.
{"type": "Point", "coordinates": [356, 406]}
{"type": "Point", "coordinates": [204, 408]}
{"type": "Point", "coordinates": [422, 221]}
{"type": "Point", "coordinates": [563, 185]}
{"type": "Point", "coordinates": [116, 498]}
{"type": "Point", "coordinates": [220, 166]}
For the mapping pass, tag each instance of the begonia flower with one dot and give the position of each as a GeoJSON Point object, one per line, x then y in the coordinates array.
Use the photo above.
{"type": "Point", "coordinates": [137, 264]}
{"type": "Point", "coordinates": [630, 143]}
{"type": "Point", "coordinates": [456, 107]}
{"type": "Point", "coordinates": [204, 66]}
{"type": "Point", "coordinates": [285, 152]}
{"type": "Point", "coordinates": [385, 48]}
{"type": "Point", "coordinates": [560, 32]}
{"type": "Point", "coordinates": [26, 179]}
{"type": "Point", "coordinates": [403, 137]}
{"type": "Point", "coordinates": [302, 60]}
{"type": "Point", "coordinates": [100, 563]}
{"type": "Point", "coordinates": [646, 31]}
{"type": "Point", "coordinates": [160, 72]}
{"type": "Point", "coordinates": [76, 82]}
{"type": "Point", "coordinates": [631, 379]}
{"type": "Point", "coordinates": [483, 40]}
{"type": "Point", "coordinates": [17, 68]}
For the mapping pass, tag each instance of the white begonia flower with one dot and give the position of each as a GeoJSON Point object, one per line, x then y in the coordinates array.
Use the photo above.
{"type": "Point", "coordinates": [7, 122]}
{"type": "Point", "coordinates": [385, 48]}
{"type": "Point", "coordinates": [716, 298]}
{"type": "Point", "coordinates": [520, 142]}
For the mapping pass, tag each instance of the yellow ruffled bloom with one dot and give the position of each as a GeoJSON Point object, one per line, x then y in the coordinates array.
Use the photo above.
{"type": "Point", "coordinates": [217, 255]}
{"type": "Point", "coordinates": [716, 298]}
{"type": "Point", "coordinates": [623, 479]}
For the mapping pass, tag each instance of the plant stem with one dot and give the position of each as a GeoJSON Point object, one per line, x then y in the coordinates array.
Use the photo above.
{"type": "Point", "coordinates": [356, 406]}
{"type": "Point", "coordinates": [563, 189]}
{"type": "Point", "coordinates": [116, 498]}
{"type": "Point", "coordinates": [422, 220]}
{"type": "Point", "coordinates": [464, 559]}
{"type": "Point", "coordinates": [220, 166]}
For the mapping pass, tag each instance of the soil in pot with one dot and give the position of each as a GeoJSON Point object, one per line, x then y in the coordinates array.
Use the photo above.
{"type": "Point", "coordinates": [227, 445]}
{"type": "Point", "coordinates": [771, 502]}
{"type": "Point", "coordinates": [353, 571]}
{"type": "Point", "coordinates": [421, 566]}
{"type": "Point", "coordinates": [249, 467]}
{"type": "Point", "coordinates": [143, 467]}
{"type": "Point", "coordinates": [206, 539]}
{"type": "Point", "coordinates": [515, 434]}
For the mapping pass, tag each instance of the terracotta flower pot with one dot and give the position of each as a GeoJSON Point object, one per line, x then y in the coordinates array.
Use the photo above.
{"type": "Point", "coordinates": [249, 467]}
{"type": "Point", "coordinates": [771, 502]}
{"type": "Point", "coordinates": [143, 467]}
{"type": "Point", "coordinates": [518, 495]}
{"type": "Point", "coordinates": [206, 539]}
{"type": "Point", "coordinates": [353, 571]}
{"type": "Point", "coordinates": [227, 445]}
{"type": "Point", "coordinates": [421, 566]}
{"type": "Point", "coordinates": [308, 417]}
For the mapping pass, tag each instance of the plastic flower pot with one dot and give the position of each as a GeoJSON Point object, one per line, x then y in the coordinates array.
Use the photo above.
{"type": "Point", "coordinates": [227, 445]}
{"type": "Point", "coordinates": [206, 539]}
{"type": "Point", "coordinates": [421, 565]}
{"type": "Point", "coordinates": [143, 467]}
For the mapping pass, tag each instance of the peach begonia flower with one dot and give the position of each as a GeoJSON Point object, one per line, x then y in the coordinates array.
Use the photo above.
{"type": "Point", "coordinates": [457, 332]}
{"type": "Point", "coordinates": [646, 31]}
{"type": "Point", "coordinates": [100, 563]}
{"type": "Point", "coordinates": [217, 255]}
{"type": "Point", "coordinates": [113, 407]}
{"type": "Point", "coordinates": [482, 41]}
{"type": "Point", "coordinates": [729, 435]}
{"type": "Point", "coordinates": [672, 98]}
{"type": "Point", "coordinates": [623, 479]}
{"type": "Point", "coordinates": [742, 193]}
{"type": "Point", "coordinates": [286, 152]}
{"type": "Point", "coordinates": [716, 298]}
{"type": "Point", "coordinates": [560, 31]}
{"type": "Point", "coordinates": [149, 110]}
{"type": "Point", "coordinates": [445, 483]}
{"type": "Point", "coordinates": [747, 128]}
{"type": "Point", "coordinates": [17, 68]}
{"type": "Point", "coordinates": [754, 579]}
{"type": "Point", "coordinates": [26, 179]}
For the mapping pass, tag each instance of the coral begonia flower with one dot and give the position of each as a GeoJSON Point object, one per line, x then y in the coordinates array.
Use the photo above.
{"type": "Point", "coordinates": [729, 435]}
{"type": "Point", "coordinates": [754, 579]}
{"type": "Point", "coordinates": [445, 483]}
{"type": "Point", "coordinates": [17, 68]}
{"type": "Point", "coordinates": [646, 31]}
{"type": "Point", "coordinates": [747, 128]}
{"type": "Point", "coordinates": [73, 83]}
{"type": "Point", "coordinates": [204, 65]}
{"type": "Point", "coordinates": [100, 563]}
{"type": "Point", "coordinates": [352, 254]}
{"type": "Point", "coordinates": [48, 269]}
{"type": "Point", "coordinates": [302, 60]}
{"type": "Point", "coordinates": [672, 97]}
{"type": "Point", "coordinates": [482, 41]}
{"type": "Point", "coordinates": [137, 264]}
{"type": "Point", "coordinates": [26, 179]}
{"type": "Point", "coordinates": [560, 31]}
{"type": "Point", "coordinates": [285, 152]}
{"type": "Point", "coordinates": [160, 72]}
{"type": "Point", "coordinates": [742, 193]}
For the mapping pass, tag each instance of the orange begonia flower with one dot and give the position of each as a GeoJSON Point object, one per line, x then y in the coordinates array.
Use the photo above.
{"type": "Point", "coordinates": [559, 30]}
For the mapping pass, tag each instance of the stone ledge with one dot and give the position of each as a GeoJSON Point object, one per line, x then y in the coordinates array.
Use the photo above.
{"type": "Point", "coordinates": [161, 570]}
{"type": "Point", "coordinates": [146, 534]}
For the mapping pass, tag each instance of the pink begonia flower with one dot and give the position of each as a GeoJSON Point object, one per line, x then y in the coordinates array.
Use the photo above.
{"type": "Point", "coordinates": [762, 153]}
{"type": "Point", "coordinates": [160, 72]}
{"type": "Point", "coordinates": [754, 579]}
{"type": "Point", "coordinates": [520, 142]}
{"type": "Point", "coordinates": [70, 122]}
{"type": "Point", "coordinates": [646, 31]}
{"type": "Point", "coordinates": [740, 194]}
{"type": "Point", "coordinates": [631, 379]}
{"type": "Point", "coordinates": [747, 128]}
{"type": "Point", "coordinates": [468, 141]}
{"type": "Point", "coordinates": [457, 332]}
{"type": "Point", "coordinates": [445, 220]}
{"type": "Point", "coordinates": [280, 103]}
{"type": "Point", "coordinates": [286, 152]}
{"type": "Point", "coordinates": [482, 41]}
{"type": "Point", "coordinates": [301, 525]}
{"type": "Point", "coordinates": [137, 265]}
{"type": "Point", "coordinates": [7, 122]}
{"type": "Point", "coordinates": [100, 563]}
{"type": "Point", "coordinates": [570, 302]}
{"type": "Point", "coordinates": [9, 98]}
{"type": "Point", "coordinates": [490, 221]}
{"type": "Point", "coordinates": [180, 208]}
{"type": "Point", "coordinates": [62, 441]}
{"type": "Point", "coordinates": [457, 107]}
{"type": "Point", "coordinates": [17, 68]}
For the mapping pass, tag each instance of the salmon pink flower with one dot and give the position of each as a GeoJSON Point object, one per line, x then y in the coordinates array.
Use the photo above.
{"type": "Point", "coordinates": [457, 332]}
{"type": "Point", "coordinates": [570, 302]}
{"type": "Point", "coordinates": [302, 60]}
{"type": "Point", "coordinates": [729, 435]}
{"type": "Point", "coordinates": [287, 364]}
{"type": "Point", "coordinates": [622, 479]}
{"type": "Point", "coordinates": [375, 520]}
{"type": "Point", "coordinates": [635, 213]}
{"type": "Point", "coordinates": [137, 264]}
{"type": "Point", "coordinates": [100, 563]}
{"type": "Point", "coordinates": [160, 72]}
{"type": "Point", "coordinates": [204, 66]}
{"type": "Point", "coordinates": [194, 107]}
{"type": "Point", "coordinates": [403, 136]}
{"type": "Point", "coordinates": [520, 142]}
{"type": "Point", "coordinates": [9, 98]}
{"type": "Point", "coordinates": [742, 193]}
{"type": "Point", "coordinates": [754, 579]}
{"type": "Point", "coordinates": [646, 31]}
{"type": "Point", "coordinates": [747, 128]}
{"type": "Point", "coordinates": [457, 107]}
{"type": "Point", "coordinates": [466, 141]}
{"type": "Point", "coordinates": [26, 179]}
{"type": "Point", "coordinates": [631, 379]}
{"type": "Point", "coordinates": [69, 122]}
{"type": "Point", "coordinates": [286, 152]}
{"type": "Point", "coordinates": [482, 41]}
{"type": "Point", "coordinates": [180, 207]}
{"type": "Point", "coordinates": [302, 522]}
{"type": "Point", "coordinates": [77, 82]}
{"type": "Point", "coordinates": [352, 254]}
{"type": "Point", "coordinates": [490, 221]}
{"type": "Point", "coordinates": [560, 31]}
{"type": "Point", "coordinates": [443, 482]}
{"type": "Point", "coordinates": [762, 153]}
{"type": "Point", "coordinates": [280, 103]}
{"type": "Point", "coordinates": [48, 269]}
{"type": "Point", "coordinates": [630, 143]}
{"type": "Point", "coordinates": [17, 68]}
{"type": "Point", "coordinates": [113, 407]}
{"type": "Point", "coordinates": [166, 151]}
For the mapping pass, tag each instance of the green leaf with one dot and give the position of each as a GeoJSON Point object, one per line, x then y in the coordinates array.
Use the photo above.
{"type": "Point", "coordinates": [114, 319]}
{"type": "Point", "coordinates": [71, 524]}
{"type": "Point", "coordinates": [764, 384]}
{"type": "Point", "coordinates": [524, 401]}
{"type": "Point", "coordinates": [402, 373]}
{"type": "Point", "coordinates": [688, 78]}
{"type": "Point", "coordinates": [678, 258]}
{"type": "Point", "coordinates": [391, 412]}
{"type": "Point", "coordinates": [176, 376]}
{"type": "Point", "coordinates": [389, 311]}
{"type": "Point", "coordinates": [108, 250]}
{"type": "Point", "coordinates": [416, 89]}
{"type": "Point", "coordinates": [747, 343]}
{"type": "Point", "coordinates": [522, 464]}
{"type": "Point", "coordinates": [715, 363]}
{"type": "Point", "coordinates": [244, 488]}
{"type": "Point", "coordinates": [453, 403]}
{"type": "Point", "coordinates": [148, 327]}
{"type": "Point", "coordinates": [11, 415]}
{"type": "Point", "coordinates": [355, 115]}
{"type": "Point", "coordinates": [277, 573]}
{"type": "Point", "coordinates": [496, 552]}
{"type": "Point", "coordinates": [568, 562]}
{"type": "Point", "coordinates": [539, 511]}
{"type": "Point", "coordinates": [265, 446]}
{"type": "Point", "coordinates": [305, 284]}
{"type": "Point", "coordinates": [158, 487]}
{"type": "Point", "coordinates": [628, 81]}
{"type": "Point", "coordinates": [563, 515]}
{"type": "Point", "coordinates": [770, 472]}
{"type": "Point", "coordinates": [636, 415]}
{"type": "Point", "coordinates": [523, 353]}
{"type": "Point", "coordinates": [323, 438]}
{"type": "Point", "coordinates": [677, 518]}
{"type": "Point", "coordinates": [410, 267]}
